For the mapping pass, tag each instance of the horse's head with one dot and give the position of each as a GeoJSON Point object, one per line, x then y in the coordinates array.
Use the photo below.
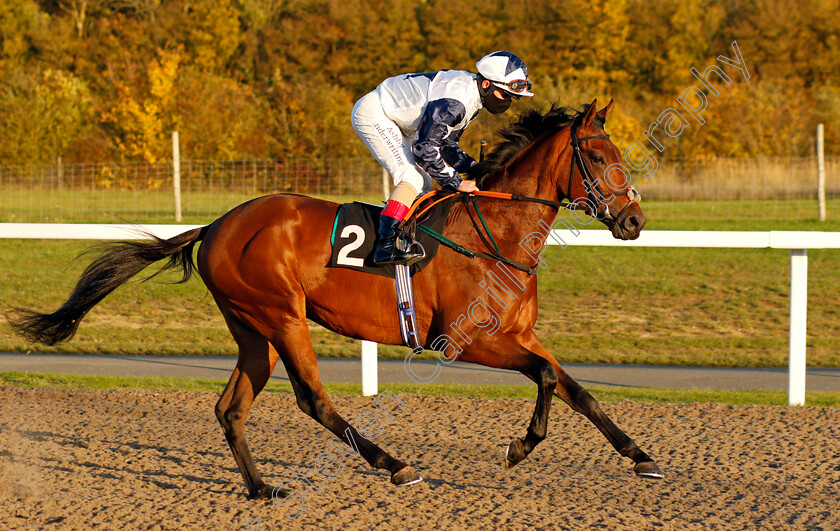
{"type": "Point", "coordinates": [565, 154]}
{"type": "Point", "coordinates": [598, 183]}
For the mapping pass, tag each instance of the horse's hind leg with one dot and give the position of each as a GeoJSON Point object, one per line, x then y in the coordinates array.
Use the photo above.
{"type": "Point", "coordinates": [581, 401]}
{"type": "Point", "coordinates": [295, 348]}
{"type": "Point", "coordinates": [256, 363]}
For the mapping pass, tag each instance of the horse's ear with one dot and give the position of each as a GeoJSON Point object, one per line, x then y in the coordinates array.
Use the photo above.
{"type": "Point", "coordinates": [590, 114]}
{"type": "Point", "coordinates": [603, 113]}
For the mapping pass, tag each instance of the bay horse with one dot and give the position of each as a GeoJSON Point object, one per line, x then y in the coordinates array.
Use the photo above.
{"type": "Point", "coordinates": [264, 264]}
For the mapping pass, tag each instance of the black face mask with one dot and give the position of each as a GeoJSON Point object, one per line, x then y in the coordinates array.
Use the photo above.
{"type": "Point", "coordinates": [490, 102]}
{"type": "Point", "coordinates": [496, 105]}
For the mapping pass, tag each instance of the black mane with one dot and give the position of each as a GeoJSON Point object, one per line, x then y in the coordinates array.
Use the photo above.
{"type": "Point", "coordinates": [529, 126]}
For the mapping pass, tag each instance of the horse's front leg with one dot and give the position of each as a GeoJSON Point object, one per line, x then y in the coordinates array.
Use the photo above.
{"type": "Point", "coordinates": [543, 373]}
{"type": "Point", "coordinates": [504, 353]}
{"type": "Point", "coordinates": [581, 401]}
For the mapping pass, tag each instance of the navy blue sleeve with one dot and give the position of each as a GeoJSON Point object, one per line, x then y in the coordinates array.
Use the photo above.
{"type": "Point", "coordinates": [453, 155]}
{"type": "Point", "coordinates": [432, 146]}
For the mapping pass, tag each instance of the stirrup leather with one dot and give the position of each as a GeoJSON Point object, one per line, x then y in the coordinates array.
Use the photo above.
{"type": "Point", "coordinates": [405, 298]}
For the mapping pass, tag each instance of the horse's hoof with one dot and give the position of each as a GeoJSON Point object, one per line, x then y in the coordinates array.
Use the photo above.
{"type": "Point", "coordinates": [648, 469]}
{"type": "Point", "coordinates": [264, 492]}
{"type": "Point", "coordinates": [515, 453]}
{"type": "Point", "coordinates": [406, 476]}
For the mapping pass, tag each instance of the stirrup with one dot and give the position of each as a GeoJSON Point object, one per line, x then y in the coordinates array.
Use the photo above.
{"type": "Point", "coordinates": [393, 261]}
{"type": "Point", "coordinates": [417, 258]}
{"type": "Point", "coordinates": [406, 242]}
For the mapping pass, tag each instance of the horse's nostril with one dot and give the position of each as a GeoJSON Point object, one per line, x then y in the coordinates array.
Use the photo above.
{"type": "Point", "coordinates": [633, 221]}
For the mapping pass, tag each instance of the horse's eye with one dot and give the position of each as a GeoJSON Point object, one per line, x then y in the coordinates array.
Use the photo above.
{"type": "Point", "coordinates": [596, 159]}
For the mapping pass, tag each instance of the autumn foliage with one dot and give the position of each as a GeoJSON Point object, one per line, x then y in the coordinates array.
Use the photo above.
{"type": "Point", "coordinates": [95, 80]}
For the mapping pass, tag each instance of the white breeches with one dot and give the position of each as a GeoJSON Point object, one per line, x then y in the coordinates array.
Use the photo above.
{"type": "Point", "coordinates": [387, 144]}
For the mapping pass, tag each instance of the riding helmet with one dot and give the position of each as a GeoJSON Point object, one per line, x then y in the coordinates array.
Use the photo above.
{"type": "Point", "coordinates": [507, 72]}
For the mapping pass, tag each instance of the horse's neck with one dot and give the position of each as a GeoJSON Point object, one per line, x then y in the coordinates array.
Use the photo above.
{"type": "Point", "coordinates": [536, 171]}
{"type": "Point", "coordinates": [535, 174]}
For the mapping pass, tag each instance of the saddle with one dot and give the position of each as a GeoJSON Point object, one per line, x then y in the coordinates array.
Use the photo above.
{"type": "Point", "coordinates": [354, 238]}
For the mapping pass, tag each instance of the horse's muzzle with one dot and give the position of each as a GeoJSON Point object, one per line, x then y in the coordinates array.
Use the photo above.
{"type": "Point", "coordinates": [629, 224]}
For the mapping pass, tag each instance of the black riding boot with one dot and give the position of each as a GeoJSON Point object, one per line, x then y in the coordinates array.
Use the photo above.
{"type": "Point", "coordinates": [386, 251]}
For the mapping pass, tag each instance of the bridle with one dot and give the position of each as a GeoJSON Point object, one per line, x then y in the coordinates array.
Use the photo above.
{"type": "Point", "coordinates": [590, 184]}
{"type": "Point", "coordinates": [592, 187]}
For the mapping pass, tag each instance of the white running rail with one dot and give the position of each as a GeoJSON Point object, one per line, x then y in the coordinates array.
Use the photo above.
{"type": "Point", "coordinates": [798, 242]}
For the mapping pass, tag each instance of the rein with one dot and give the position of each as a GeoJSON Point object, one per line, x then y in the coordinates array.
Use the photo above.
{"type": "Point", "coordinates": [413, 222]}
{"type": "Point", "coordinates": [593, 189]}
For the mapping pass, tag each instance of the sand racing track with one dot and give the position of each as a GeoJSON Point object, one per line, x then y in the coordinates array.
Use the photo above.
{"type": "Point", "coordinates": [119, 459]}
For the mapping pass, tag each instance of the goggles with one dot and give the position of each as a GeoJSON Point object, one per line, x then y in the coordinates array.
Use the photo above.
{"type": "Point", "coordinates": [517, 86]}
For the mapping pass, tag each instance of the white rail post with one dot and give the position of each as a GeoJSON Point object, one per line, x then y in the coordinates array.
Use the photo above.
{"type": "Point", "coordinates": [370, 375]}
{"type": "Point", "coordinates": [176, 174]}
{"type": "Point", "coordinates": [370, 378]}
{"type": "Point", "coordinates": [821, 171]}
{"type": "Point", "coordinates": [798, 324]}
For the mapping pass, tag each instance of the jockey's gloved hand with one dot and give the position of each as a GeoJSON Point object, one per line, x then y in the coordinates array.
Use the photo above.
{"type": "Point", "coordinates": [467, 186]}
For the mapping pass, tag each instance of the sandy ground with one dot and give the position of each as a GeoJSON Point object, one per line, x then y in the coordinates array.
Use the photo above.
{"type": "Point", "coordinates": [158, 460]}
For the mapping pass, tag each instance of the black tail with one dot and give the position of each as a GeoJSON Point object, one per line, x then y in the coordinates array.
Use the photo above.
{"type": "Point", "coordinates": [118, 262]}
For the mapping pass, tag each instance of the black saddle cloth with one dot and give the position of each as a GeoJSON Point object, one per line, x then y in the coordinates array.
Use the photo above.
{"type": "Point", "coordinates": [356, 233]}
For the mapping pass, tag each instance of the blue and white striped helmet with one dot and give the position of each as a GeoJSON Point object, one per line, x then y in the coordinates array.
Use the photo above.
{"type": "Point", "coordinates": [507, 72]}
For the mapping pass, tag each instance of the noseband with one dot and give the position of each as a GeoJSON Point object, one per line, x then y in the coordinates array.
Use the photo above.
{"type": "Point", "coordinates": [591, 185]}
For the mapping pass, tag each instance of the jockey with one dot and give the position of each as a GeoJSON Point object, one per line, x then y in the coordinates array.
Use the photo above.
{"type": "Point", "coordinates": [412, 123]}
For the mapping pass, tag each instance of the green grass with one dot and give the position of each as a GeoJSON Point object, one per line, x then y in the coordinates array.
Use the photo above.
{"type": "Point", "coordinates": [156, 206]}
{"type": "Point", "coordinates": [711, 307]}
{"type": "Point", "coordinates": [718, 307]}
{"type": "Point", "coordinates": [603, 394]}
{"type": "Point", "coordinates": [798, 214]}
{"type": "Point", "coordinates": [125, 206]}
